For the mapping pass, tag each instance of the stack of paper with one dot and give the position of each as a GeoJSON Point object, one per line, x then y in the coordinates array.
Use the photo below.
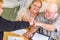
{"type": "Point", "coordinates": [20, 32]}
{"type": "Point", "coordinates": [14, 38]}
{"type": "Point", "coordinates": [38, 36]}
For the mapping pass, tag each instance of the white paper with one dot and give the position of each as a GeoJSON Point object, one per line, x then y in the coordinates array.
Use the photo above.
{"type": "Point", "coordinates": [38, 36]}
{"type": "Point", "coordinates": [20, 32]}
{"type": "Point", "coordinates": [14, 38]}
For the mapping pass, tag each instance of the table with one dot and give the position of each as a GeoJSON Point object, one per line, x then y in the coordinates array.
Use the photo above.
{"type": "Point", "coordinates": [6, 34]}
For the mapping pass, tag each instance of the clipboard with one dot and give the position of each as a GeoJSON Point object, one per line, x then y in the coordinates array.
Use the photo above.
{"type": "Point", "coordinates": [38, 36]}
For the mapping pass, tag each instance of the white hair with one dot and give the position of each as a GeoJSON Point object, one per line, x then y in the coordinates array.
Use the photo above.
{"type": "Point", "coordinates": [52, 6]}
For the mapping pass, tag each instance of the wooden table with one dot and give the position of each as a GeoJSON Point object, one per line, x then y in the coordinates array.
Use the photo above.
{"type": "Point", "coordinates": [6, 34]}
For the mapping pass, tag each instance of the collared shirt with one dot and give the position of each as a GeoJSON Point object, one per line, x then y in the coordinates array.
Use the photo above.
{"type": "Point", "coordinates": [55, 22]}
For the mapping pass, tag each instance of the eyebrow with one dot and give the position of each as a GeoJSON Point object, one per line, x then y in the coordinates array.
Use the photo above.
{"type": "Point", "coordinates": [36, 5]}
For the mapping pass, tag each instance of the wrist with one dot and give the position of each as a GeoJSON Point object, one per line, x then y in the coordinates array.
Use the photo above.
{"type": "Point", "coordinates": [37, 24]}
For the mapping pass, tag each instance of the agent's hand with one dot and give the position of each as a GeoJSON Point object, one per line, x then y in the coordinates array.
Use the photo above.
{"type": "Point", "coordinates": [28, 34]}
{"type": "Point", "coordinates": [32, 23]}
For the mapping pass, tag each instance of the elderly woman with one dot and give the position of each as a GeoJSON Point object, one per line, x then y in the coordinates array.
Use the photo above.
{"type": "Point", "coordinates": [29, 14]}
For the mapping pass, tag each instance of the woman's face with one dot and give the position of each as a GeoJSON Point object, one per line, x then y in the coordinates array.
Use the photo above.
{"type": "Point", "coordinates": [1, 8]}
{"type": "Point", "coordinates": [35, 7]}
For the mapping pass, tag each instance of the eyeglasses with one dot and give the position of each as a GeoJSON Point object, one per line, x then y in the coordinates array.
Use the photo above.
{"type": "Point", "coordinates": [36, 6]}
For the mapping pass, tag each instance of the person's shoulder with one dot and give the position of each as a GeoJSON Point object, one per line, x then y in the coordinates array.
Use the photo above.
{"type": "Point", "coordinates": [58, 16]}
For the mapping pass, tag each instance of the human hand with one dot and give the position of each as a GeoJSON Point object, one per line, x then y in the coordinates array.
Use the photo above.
{"type": "Point", "coordinates": [37, 23]}
{"type": "Point", "coordinates": [31, 21]}
{"type": "Point", "coordinates": [28, 34]}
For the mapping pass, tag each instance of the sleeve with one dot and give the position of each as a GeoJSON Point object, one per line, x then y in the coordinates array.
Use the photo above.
{"type": "Point", "coordinates": [57, 25]}
{"type": "Point", "coordinates": [6, 25]}
{"type": "Point", "coordinates": [22, 24]}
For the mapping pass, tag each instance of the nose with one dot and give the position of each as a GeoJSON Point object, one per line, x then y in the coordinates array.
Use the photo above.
{"type": "Point", "coordinates": [36, 8]}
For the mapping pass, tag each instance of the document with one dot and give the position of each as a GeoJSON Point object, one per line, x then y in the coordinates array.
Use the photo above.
{"type": "Point", "coordinates": [14, 38]}
{"type": "Point", "coordinates": [20, 32]}
{"type": "Point", "coordinates": [38, 36]}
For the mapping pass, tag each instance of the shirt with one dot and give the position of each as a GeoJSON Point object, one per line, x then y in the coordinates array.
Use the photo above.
{"type": "Point", "coordinates": [24, 14]}
{"type": "Point", "coordinates": [54, 22]}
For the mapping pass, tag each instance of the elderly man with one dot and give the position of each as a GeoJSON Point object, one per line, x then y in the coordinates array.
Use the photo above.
{"type": "Point", "coordinates": [50, 22]}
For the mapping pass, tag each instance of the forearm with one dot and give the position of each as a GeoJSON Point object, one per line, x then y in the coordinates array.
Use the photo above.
{"type": "Point", "coordinates": [33, 29]}
{"type": "Point", "coordinates": [6, 25]}
{"type": "Point", "coordinates": [48, 27]}
{"type": "Point", "coordinates": [11, 26]}
{"type": "Point", "coordinates": [22, 24]}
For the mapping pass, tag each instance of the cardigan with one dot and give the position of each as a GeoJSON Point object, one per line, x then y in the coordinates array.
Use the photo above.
{"type": "Point", "coordinates": [7, 25]}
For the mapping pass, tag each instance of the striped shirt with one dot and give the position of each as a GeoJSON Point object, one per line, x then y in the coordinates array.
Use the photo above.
{"type": "Point", "coordinates": [56, 22]}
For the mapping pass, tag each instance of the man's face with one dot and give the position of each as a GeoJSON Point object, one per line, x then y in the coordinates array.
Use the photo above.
{"type": "Point", "coordinates": [35, 7]}
{"type": "Point", "coordinates": [50, 13]}
{"type": "Point", "coordinates": [1, 8]}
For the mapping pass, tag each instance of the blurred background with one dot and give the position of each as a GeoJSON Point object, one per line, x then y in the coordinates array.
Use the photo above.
{"type": "Point", "coordinates": [11, 7]}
